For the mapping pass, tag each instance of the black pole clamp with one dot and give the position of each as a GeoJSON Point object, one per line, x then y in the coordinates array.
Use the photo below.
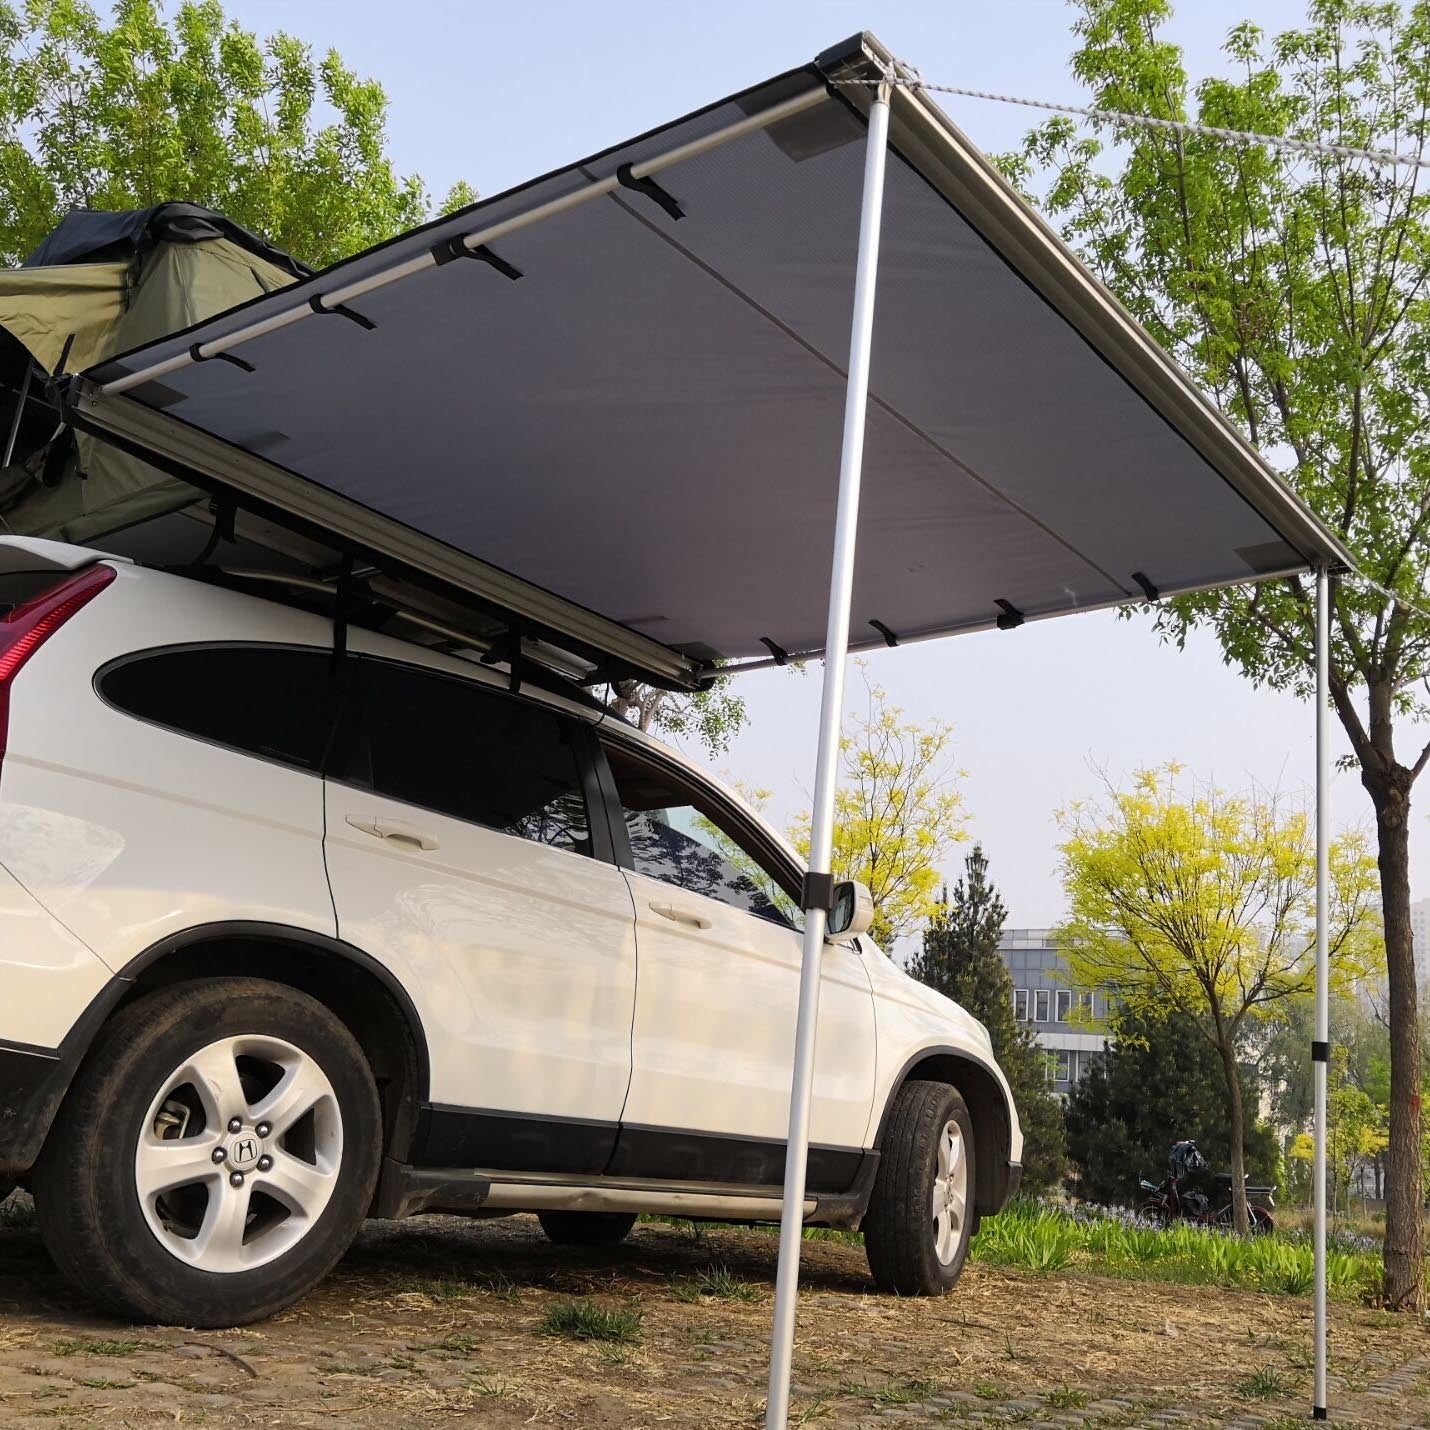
{"type": "Point", "coordinates": [1320, 1052]}
{"type": "Point", "coordinates": [817, 893]}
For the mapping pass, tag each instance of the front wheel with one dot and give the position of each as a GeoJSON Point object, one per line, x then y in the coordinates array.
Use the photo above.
{"type": "Point", "coordinates": [920, 1217]}
{"type": "Point", "coordinates": [215, 1156]}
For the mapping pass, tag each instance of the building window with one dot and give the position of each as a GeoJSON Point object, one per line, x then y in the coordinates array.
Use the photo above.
{"type": "Point", "coordinates": [1040, 1005]}
{"type": "Point", "coordinates": [1063, 1067]}
{"type": "Point", "coordinates": [1020, 1005]}
{"type": "Point", "coordinates": [1087, 1005]}
{"type": "Point", "coordinates": [1064, 1004]}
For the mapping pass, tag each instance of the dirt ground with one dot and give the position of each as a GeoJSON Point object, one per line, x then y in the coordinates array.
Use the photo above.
{"type": "Point", "coordinates": [443, 1319]}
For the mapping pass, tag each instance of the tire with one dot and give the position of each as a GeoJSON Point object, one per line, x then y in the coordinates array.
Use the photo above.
{"type": "Point", "coordinates": [586, 1228]}
{"type": "Point", "coordinates": [910, 1252]}
{"type": "Point", "coordinates": [191, 1248]}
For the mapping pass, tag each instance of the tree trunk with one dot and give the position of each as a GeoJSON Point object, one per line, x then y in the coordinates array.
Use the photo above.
{"type": "Point", "coordinates": [1404, 1226]}
{"type": "Point", "coordinates": [1239, 1217]}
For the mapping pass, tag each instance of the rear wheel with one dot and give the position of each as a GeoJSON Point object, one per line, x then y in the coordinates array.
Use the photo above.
{"type": "Point", "coordinates": [586, 1228]}
{"type": "Point", "coordinates": [920, 1217]}
{"type": "Point", "coordinates": [215, 1156]}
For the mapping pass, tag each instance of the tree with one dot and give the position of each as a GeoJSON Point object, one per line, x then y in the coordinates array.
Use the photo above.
{"type": "Point", "coordinates": [895, 815]}
{"type": "Point", "coordinates": [1203, 903]}
{"type": "Point", "coordinates": [142, 108]}
{"type": "Point", "coordinates": [714, 716]}
{"type": "Point", "coordinates": [960, 959]}
{"type": "Point", "coordinates": [1293, 287]}
{"type": "Point", "coordinates": [1159, 1081]}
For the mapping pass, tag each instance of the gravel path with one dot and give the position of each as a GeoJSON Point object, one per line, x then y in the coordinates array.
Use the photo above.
{"type": "Point", "coordinates": [445, 1319]}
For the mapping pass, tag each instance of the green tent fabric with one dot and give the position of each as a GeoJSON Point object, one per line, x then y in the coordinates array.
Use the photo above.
{"type": "Point", "coordinates": [99, 309]}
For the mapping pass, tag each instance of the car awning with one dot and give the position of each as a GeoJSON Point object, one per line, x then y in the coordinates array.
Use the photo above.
{"type": "Point", "coordinates": [608, 403]}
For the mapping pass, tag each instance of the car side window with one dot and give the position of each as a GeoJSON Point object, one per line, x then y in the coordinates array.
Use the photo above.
{"type": "Point", "coordinates": [452, 746]}
{"type": "Point", "coordinates": [680, 836]}
{"type": "Point", "coordinates": [277, 702]}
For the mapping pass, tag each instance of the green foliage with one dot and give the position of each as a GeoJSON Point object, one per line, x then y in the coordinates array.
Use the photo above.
{"type": "Point", "coordinates": [1033, 1237]}
{"type": "Point", "coordinates": [146, 106]}
{"type": "Point", "coordinates": [897, 813]}
{"type": "Point", "coordinates": [960, 959]}
{"type": "Point", "coordinates": [714, 716]}
{"type": "Point", "coordinates": [1295, 289]}
{"type": "Point", "coordinates": [588, 1321]}
{"type": "Point", "coordinates": [1189, 900]}
{"type": "Point", "coordinates": [1160, 1081]}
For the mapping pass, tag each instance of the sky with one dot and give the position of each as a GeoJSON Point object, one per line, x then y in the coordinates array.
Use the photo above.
{"type": "Point", "coordinates": [496, 94]}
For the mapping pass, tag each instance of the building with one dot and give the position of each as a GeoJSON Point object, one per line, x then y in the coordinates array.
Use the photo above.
{"type": "Point", "coordinates": [1420, 937]}
{"type": "Point", "coordinates": [1068, 1021]}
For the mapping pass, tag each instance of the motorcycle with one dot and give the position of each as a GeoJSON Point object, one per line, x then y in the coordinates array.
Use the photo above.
{"type": "Point", "coordinates": [1173, 1200]}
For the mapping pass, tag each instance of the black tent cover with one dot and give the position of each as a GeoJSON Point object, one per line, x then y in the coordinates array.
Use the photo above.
{"type": "Point", "coordinates": [621, 428]}
{"type": "Point", "coordinates": [101, 235]}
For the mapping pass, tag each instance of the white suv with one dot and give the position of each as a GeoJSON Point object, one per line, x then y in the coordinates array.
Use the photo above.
{"type": "Point", "coordinates": [296, 932]}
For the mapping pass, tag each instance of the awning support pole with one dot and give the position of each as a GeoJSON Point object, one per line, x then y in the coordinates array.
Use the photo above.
{"type": "Point", "coordinates": [831, 710]}
{"type": "Point", "coordinates": [1321, 1051]}
{"type": "Point", "coordinates": [19, 414]}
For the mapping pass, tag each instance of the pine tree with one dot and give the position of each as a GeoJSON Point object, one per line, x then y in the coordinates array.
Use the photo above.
{"type": "Point", "coordinates": [1159, 1081]}
{"type": "Point", "coordinates": [960, 959]}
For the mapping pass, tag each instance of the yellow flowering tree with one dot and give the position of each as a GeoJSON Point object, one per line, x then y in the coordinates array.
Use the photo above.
{"type": "Point", "coordinates": [897, 814]}
{"type": "Point", "coordinates": [1185, 897]}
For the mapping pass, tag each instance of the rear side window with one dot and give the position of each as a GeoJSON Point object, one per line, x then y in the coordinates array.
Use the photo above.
{"type": "Point", "coordinates": [475, 754]}
{"type": "Point", "coordinates": [277, 702]}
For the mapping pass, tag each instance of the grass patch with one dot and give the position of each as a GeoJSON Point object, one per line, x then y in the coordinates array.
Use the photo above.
{"type": "Point", "coordinates": [587, 1321]}
{"type": "Point", "coordinates": [715, 1282]}
{"type": "Point", "coordinates": [911, 1392]}
{"type": "Point", "coordinates": [1067, 1398]}
{"type": "Point", "coordinates": [99, 1348]}
{"type": "Point", "coordinates": [1045, 1239]}
{"type": "Point", "coordinates": [1267, 1383]}
{"type": "Point", "coordinates": [108, 1384]}
{"type": "Point", "coordinates": [489, 1387]}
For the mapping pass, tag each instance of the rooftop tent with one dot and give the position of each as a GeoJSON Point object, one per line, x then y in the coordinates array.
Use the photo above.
{"type": "Point", "coordinates": [98, 284]}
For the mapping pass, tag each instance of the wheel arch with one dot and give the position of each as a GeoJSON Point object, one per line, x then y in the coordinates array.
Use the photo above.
{"type": "Point", "coordinates": [988, 1106]}
{"type": "Point", "coordinates": [364, 995]}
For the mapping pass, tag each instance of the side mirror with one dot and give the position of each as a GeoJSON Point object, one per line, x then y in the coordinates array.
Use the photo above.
{"type": "Point", "coordinates": [852, 913]}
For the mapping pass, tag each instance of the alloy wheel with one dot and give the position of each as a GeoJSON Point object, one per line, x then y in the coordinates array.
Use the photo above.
{"type": "Point", "coordinates": [239, 1153]}
{"type": "Point", "coordinates": [950, 1193]}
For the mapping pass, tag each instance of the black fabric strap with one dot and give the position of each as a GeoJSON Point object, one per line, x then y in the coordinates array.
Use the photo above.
{"type": "Point", "coordinates": [780, 654]}
{"type": "Point", "coordinates": [818, 892]}
{"type": "Point", "coordinates": [457, 248]}
{"type": "Point", "coordinates": [341, 310]}
{"type": "Point", "coordinates": [650, 189]}
{"type": "Point", "coordinates": [890, 639]}
{"type": "Point", "coordinates": [1011, 618]}
{"type": "Point", "coordinates": [231, 358]}
{"type": "Point", "coordinates": [1148, 589]}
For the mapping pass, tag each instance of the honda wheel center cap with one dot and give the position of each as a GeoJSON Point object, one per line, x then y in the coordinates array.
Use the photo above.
{"type": "Point", "coordinates": [244, 1151]}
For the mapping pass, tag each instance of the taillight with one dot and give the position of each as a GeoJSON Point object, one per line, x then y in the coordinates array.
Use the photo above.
{"type": "Point", "coordinates": [31, 624]}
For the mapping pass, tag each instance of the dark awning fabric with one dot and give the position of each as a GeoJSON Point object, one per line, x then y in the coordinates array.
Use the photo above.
{"type": "Point", "coordinates": [635, 443]}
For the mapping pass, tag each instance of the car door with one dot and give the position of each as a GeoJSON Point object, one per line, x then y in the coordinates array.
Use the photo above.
{"type": "Point", "coordinates": [463, 853]}
{"type": "Point", "coordinates": [719, 950]}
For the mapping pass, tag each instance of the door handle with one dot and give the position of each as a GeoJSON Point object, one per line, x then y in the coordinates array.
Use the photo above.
{"type": "Point", "coordinates": [676, 914]}
{"type": "Point", "coordinates": [398, 830]}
